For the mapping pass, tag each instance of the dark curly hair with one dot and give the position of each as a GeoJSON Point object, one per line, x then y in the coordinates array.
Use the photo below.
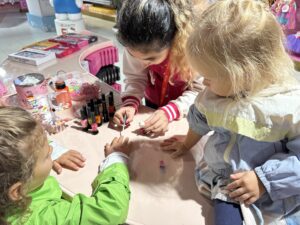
{"type": "Point", "coordinates": [153, 25]}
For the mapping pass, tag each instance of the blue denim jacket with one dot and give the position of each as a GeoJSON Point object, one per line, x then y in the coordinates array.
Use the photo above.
{"type": "Point", "coordinates": [261, 134]}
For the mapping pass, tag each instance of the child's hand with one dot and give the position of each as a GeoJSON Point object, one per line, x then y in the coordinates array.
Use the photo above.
{"type": "Point", "coordinates": [71, 160]}
{"type": "Point", "coordinates": [118, 144]}
{"type": "Point", "coordinates": [246, 187]}
{"type": "Point", "coordinates": [128, 110]}
{"type": "Point", "coordinates": [157, 123]}
{"type": "Point", "coordinates": [173, 144]}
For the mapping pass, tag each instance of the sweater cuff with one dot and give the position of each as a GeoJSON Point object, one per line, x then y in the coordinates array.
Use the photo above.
{"type": "Point", "coordinates": [131, 101]}
{"type": "Point", "coordinates": [115, 157]}
{"type": "Point", "coordinates": [171, 111]}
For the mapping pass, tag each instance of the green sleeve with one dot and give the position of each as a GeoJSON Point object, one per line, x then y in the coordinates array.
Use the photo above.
{"type": "Point", "coordinates": [108, 204]}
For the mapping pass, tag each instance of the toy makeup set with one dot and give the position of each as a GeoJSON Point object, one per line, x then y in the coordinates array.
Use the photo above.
{"type": "Point", "coordinates": [70, 43]}
{"type": "Point", "coordinates": [32, 56]}
{"type": "Point", "coordinates": [95, 113]}
{"type": "Point", "coordinates": [32, 95]}
{"type": "Point", "coordinates": [110, 75]}
{"type": "Point", "coordinates": [101, 64]}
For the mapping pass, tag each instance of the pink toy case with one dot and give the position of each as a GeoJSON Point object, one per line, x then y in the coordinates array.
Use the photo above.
{"type": "Point", "coordinates": [103, 55]}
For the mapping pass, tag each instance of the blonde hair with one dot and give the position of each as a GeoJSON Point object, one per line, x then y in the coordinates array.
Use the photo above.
{"type": "Point", "coordinates": [244, 38]}
{"type": "Point", "coordinates": [20, 139]}
{"type": "Point", "coordinates": [184, 20]}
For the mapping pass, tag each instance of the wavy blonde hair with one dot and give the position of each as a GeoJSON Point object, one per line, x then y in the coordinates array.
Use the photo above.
{"type": "Point", "coordinates": [184, 12]}
{"type": "Point", "coordinates": [244, 38]}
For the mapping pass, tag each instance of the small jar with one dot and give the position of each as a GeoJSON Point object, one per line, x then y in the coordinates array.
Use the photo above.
{"type": "Point", "coordinates": [64, 97]}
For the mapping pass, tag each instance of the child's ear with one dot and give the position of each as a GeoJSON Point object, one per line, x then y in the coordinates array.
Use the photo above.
{"type": "Point", "coordinates": [14, 192]}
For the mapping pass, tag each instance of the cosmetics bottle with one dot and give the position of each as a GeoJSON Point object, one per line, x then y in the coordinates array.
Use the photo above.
{"type": "Point", "coordinates": [64, 97]}
{"type": "Point", "coordinates": [91, 105]}
{"type": "Point", "coordinates": [92, 122]}
{"type": "Point", "coordinates": [99, 103]}
{"type": "Point", "coordinates": [104, 107]}
{"type": "Point", "coordinates": [84, 118]}
{"type": "Point", "coordinates": [97, 114]}
{"type": "Point", "coordinates": [111, 105]}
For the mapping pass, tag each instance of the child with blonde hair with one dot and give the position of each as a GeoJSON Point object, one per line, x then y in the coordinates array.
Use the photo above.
{"type": "Point", "coordinates": [154, 33]}
{"type": "Point", "coordinates": [30, 196]}
{"type": "Point", "coordinates": [251, 165]}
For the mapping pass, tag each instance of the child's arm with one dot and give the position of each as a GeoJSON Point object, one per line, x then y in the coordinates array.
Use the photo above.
{"type": "Point", "coordinates": [110, 199]}
{"type": "Point", "coordinates": [135, 83]}
{"type": "Point", "coordinates": [279, 175]}
{"type": "Point", "coordinates": [65, 158]}
{"type": "Point", "coordinates": [108, 203]}
{"type": "Point", "coordinates": [175, 109]}
{"type": "Point", "coordinates": [180, 147]}
{"type": "Point", "coordinates": [197, 128]}
{"type": "Point", "coordinates": [71, 160]}
{"type": "Point", "coordinates": [182, 104]}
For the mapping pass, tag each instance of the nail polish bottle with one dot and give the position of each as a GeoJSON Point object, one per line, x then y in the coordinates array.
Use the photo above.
{"type": "Point", "coordinates": [111, 105]}
{"type": "Point", "coordinates": [97, 114]}
{"type": "Point", "coordinates": [105, 112]}
{"type": "Point", "coordinates": [64, 97]}
{"type": "Point", "coordinates": [99, 102]}
{"type": "Point", "coordinates": [84, 118]}
{"type": "Point", "coordinates": [92, 122]}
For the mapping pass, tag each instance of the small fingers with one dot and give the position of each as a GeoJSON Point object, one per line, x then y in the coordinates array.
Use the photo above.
{"type": "Point", "coordinates": [234, 185]}
{"type": "Point", "coordinates": [170, 147]}
{"type": "Point", "coordinates": [114, 141]}
{"type": "Point", "coordinates": [158, 130]}
{"type": "Point", "coordinates": [77, 155]}
{"type": "Point", "coordinates": [243, 197]}
{"type": "Point", "coordinates": [77, 161]}
{"type": "Point", "coordinates": [118, 119]}
{"type": "Point", "coordinates": [176, 154]}
{"type": "Point", "coordinates": [237, 193]}
{"type": "Point", "coordinates": [126, 141]}
{"type": "Point", "coordinates": [71, 166]}
{"type": "Point", "coordinates": [250, 201]}
{"type": "Point", "coordinates": [129, 115]}
{"type": "Point", "coordinates": [57, 167]}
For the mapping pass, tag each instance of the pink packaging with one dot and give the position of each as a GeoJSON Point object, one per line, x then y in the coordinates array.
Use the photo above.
{"type": "Point", "coordinates": [3, 89]}
{"type": "Point", "coordinates": [30, 85]}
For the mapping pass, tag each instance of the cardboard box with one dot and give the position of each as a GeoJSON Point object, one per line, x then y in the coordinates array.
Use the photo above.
{"type": "Point", "coordinates": [32, 56]}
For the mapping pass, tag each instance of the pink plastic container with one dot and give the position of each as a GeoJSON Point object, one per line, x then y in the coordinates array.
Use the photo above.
{"type": "Point", "coordinates": [30, 85]}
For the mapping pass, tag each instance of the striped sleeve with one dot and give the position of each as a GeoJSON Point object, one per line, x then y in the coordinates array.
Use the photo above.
{"type": "Point", "coordinates": [131, 101]}
{"type": "Point", "coordinates": [171, 111]}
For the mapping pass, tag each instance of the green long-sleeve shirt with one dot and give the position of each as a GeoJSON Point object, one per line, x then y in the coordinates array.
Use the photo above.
{"type": "Point", "coordinates": [108, 204]}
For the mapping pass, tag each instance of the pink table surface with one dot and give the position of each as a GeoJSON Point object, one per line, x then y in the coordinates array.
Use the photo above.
{"type": "Point", "coordinates": [157, 197]}
{"type": "Point", "coordinates": [167, 198]}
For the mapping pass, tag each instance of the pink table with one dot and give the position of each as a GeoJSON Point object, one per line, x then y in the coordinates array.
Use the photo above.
{"type": "Point", "coordinates": [168, 197]}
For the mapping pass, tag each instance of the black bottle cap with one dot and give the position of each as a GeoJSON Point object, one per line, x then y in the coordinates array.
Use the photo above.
{"type": "Point", "coordinates": [83, 113]}
{"type": "Point", "coordinates": [103, 97]}
{"type": "Point", "coordinates": [111, 98]}
{"type": "Point", "coordinates": [60, 84]}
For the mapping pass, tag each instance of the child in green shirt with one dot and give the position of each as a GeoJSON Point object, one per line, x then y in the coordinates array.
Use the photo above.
{"type": "Point", "coordinates": [30, 196]}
